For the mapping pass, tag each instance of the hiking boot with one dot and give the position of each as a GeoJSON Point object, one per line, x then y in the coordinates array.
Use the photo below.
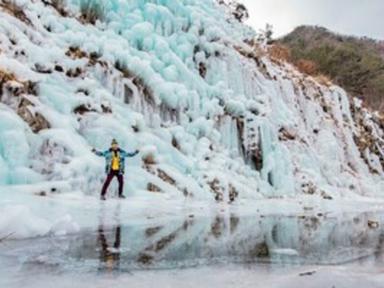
{"type": "Point", "coordinates": [121, 197]}
{"type": "Point", "coordinates": [102, 198]}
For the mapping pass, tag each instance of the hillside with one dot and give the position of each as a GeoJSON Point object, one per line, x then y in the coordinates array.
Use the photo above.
{"type": "Point", "coordinates": [216, 119]}
{"type": "Point", "coordinates": [356, 64]}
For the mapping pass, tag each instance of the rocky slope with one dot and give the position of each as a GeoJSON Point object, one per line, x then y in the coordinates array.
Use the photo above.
{"type": "Point", "coordinates": [213, 114]}
{"type": "Point", "coordinates": [357, 64]}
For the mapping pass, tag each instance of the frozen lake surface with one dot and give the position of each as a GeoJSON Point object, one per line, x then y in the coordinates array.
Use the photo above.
{"type": "Point", "coordinates": [204, 248]}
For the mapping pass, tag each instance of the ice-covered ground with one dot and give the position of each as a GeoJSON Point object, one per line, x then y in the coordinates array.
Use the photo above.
{"type": "Point", "coordinates": [141, 243]}
{"type": "Point", "coordinates": [25, 214]}
{"type": "Point", "coordinates": [145, 241]}
{"type": "Point", "coordinates": [241, 276]}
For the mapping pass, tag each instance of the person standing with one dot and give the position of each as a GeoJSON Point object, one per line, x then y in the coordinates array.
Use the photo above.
{"type": "Point", "coordinates": [114, 166]}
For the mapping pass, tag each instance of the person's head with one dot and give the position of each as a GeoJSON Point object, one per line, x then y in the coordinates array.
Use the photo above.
{"type": "Point", "coordinates": [114, 144]}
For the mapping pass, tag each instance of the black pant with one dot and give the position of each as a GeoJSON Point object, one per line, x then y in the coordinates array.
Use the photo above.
{"type": "Point", "coordinates": [108, 180]}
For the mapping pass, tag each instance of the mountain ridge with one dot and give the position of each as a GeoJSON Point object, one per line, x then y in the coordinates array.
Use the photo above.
{"type": "Point", "coordinates": [355, 63]}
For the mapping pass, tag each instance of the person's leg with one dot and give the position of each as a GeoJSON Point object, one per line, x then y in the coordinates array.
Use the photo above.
{"type": "Point", "coordinates": [106, 184]}
{"type": "Point", "coordinates": [120, 178]}
{"type": "Point", "coordinates": [117, 237]}
{"type": "Point", "coordinates": [104, 244]}
{"type": "Point", "coordinates": [116, 245]}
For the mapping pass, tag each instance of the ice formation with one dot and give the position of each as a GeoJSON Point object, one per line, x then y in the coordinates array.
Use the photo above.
{"type": "Point", "coordinates": [214, 115]}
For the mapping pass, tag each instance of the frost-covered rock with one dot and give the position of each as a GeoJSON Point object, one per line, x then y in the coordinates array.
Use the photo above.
{"type": "Point", "coordinates": [183, 81]}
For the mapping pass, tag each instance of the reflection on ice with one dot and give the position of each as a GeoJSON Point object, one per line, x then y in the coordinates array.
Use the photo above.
{"type": "Point", "coordinates": [109, 257]}
{"type": "Point", "coordinates": [193, 241]}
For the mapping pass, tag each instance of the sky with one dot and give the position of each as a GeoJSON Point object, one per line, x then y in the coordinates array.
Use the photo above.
{"type": "Point", "coordinates": [351, 17]}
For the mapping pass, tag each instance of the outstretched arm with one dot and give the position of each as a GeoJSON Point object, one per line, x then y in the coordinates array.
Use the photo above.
{"type": "Point", "coordinates": [126, 154]}
{"type": "Point", "coordinates": [99, 153]}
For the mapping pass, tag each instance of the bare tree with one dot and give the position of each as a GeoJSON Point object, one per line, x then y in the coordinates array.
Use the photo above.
{"type": "Point", "coordinates": [238, 10]}
{"type": "Point", "coordinates": [265, 35]}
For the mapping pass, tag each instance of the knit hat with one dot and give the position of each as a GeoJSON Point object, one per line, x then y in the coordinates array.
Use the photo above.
{"type": "Point", "coordinates": [114, 142]}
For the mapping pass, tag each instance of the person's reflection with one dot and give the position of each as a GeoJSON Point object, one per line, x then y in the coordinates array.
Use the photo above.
{"type": "Point", "coordinates": [109, 255]}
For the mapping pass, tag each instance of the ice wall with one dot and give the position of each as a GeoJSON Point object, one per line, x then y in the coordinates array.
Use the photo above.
{"type": "Point", "coordinates": [213, 114]}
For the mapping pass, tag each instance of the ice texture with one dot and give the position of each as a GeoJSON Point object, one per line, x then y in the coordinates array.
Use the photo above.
{"type": "Point", "coordinates": [214, 116]}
